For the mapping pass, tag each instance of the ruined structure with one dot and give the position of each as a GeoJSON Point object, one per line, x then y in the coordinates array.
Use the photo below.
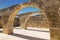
{"type": "Point", "coordinates": [39, 20]}
{"type": "Point", "coordinates": [49, 7]}
{"type": "Point", "coordinates": [36, 20]}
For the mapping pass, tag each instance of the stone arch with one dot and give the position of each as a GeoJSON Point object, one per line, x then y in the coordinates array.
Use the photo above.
{"type": "Point", "coordinates": [50, 9]}
{"type": "Point", "coordinates": [24, 26]}
{"type": "Point", "coordinates": [14, 13]}
{"type": "Point", "coordinates": [38, 14]}
{"type": "Point", "coordinates": [18, 8]}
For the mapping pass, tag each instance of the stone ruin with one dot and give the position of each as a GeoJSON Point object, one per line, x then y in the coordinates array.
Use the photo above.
{"type": "Point", "coordinates": [49, 7]}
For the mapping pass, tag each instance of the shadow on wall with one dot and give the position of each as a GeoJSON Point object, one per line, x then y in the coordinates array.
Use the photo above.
{"type": "Point", "coordinates": [27, 37]}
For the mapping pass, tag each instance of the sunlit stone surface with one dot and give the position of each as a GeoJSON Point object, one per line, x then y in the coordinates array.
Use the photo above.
{"type": "Point", "coordinates": [29, 34]}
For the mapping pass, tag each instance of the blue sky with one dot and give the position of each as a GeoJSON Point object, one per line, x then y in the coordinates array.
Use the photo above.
{"type": "Point", "coordinates": [8, 3]}
{"type": "Point", "coordinates": [28, 9]}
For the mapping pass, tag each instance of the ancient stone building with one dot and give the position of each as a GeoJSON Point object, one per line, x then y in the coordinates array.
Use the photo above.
{"type": "Point", "coordinates": [49, 7]}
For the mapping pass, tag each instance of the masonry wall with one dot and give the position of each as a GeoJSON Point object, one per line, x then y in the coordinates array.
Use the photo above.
{"type": "Point", "coordinates": [1, 24]}
{"type": "Point", "coordinates": [37, 21]}
{"type": "Point", "coordinates": [34, 21]}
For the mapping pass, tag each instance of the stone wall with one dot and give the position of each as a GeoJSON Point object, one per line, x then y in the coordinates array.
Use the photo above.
{"type": "Point", "coordinates": [1, 24]}
{"type": "Point", "coordinates": [38, 21]}
{"type": "Point", "coordinates": [34, 21]}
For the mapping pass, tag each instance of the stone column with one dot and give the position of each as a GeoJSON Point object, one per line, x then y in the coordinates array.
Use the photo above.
{"type": "Point", "coordinates": [24, 26]}
{"type": "Point", "coordinates": [7, 29]}
{"type": "Point", "coordinates": [23, 19]}
{"type": "Point", "coordinates": [53, 16]}
{"type": "Point", "coordinates": [10, 12]}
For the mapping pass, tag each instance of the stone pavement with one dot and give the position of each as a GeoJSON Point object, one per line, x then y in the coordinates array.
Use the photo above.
{"type": "Point", "coordinates": [29, 34]}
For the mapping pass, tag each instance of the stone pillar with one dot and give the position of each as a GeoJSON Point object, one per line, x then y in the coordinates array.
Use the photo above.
{"type": "Point", "coordinates": [23, 26]}
{"type": "Point", "coordinates": [9, 15]}
{"type": "Point", "coordinates": [53, 16]}
{"type": "Point", "coordinates": [23, 19]}
{"type": "Point", "coordinates": [55, 34]}
{"type": "Point", "coordinates": [7, 29]}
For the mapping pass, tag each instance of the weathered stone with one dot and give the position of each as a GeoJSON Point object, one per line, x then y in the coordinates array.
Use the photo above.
{"type": "Point", "coordinates": [49, 7]}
